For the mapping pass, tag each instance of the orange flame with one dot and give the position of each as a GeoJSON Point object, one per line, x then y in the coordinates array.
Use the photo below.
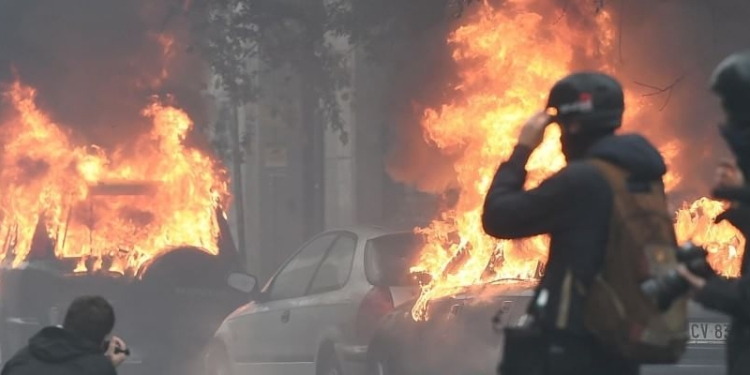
{"type": "Point", "coordinates": [508, 59]}
{"type": "Point", "coordinates": [167, 43]}
{"type": "Point", "coordinates": [111, 212]}
{"type": "Point", "coordinates": [725, 245]}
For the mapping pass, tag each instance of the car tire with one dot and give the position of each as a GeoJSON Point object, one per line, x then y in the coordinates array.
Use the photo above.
{"type": "Point", "coordinates": [381, 362]}
{"type": "Point", "coordinates": [330, 366]}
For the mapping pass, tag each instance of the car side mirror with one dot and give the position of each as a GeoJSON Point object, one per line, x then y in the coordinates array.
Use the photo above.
{"type": "Point", "coordinates": [243, 282]}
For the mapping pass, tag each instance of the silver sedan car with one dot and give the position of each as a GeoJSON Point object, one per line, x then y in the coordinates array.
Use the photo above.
{"type": "Point", "coordinates": [318, 312]}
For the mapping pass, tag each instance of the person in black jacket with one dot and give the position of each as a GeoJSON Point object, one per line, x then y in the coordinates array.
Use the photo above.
{"type": "Point", "coordinates": [574, 207]}
{"type": "Point", "coordinates": [76, 348]}
{"type": "Point", "coordinates": [731, 82]}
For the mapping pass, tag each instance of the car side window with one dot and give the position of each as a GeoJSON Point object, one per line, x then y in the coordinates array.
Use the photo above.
{"type": "Point", "coordinates": [292, 281]}
{"type": "Point", "coordinates": [335, 269]}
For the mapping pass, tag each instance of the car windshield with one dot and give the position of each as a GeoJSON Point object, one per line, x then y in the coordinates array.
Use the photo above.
{"type": "Point", "coordinates": [388, 259]}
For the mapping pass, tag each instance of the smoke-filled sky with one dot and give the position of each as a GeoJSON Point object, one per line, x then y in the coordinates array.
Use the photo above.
{"type": "Point", "coordinates": [96, 63]}
{"type": "Point", "coordinates": [665, 40]}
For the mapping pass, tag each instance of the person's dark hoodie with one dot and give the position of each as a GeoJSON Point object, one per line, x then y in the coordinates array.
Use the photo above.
{"type": "Point", "coordinates": [55, 351]}
{"type": "Point", "coordinates": [573, 206]}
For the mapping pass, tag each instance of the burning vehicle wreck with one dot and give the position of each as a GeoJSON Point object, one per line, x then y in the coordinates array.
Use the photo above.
{"type": "Point", "coordinates": [457, 338]}
{"type": "Point", "coordinates": [463, 334]}
{"type": "Point", "coordinates": [143, 225]}
{"type": "Point", "coordinates": [167, 311]}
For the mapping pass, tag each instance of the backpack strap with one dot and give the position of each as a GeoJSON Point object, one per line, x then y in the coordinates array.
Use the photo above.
{"type": "Point", "coordinates": [563, 308]}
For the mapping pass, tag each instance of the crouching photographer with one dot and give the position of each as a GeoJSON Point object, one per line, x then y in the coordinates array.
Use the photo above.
{"type": "Point", "coordinates": [79, 347]}
{"type": "Point", "coordinates": [731, 82]}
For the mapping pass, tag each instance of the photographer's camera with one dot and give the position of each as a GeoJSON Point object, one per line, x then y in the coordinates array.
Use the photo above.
{"type": "Point", "coordinates": [665, 289]}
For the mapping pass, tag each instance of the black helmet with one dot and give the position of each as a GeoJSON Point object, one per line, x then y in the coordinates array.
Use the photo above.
{"type": "Point", "coordinates": [731, 82]}
{"type": "Point", "coordinates": [595, 100]}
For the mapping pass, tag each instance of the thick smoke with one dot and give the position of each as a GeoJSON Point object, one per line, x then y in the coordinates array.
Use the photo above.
{"type": "Point", "coordinates": [96, 63]}
{"type": "Point", "coordinates": [421, 82]}
{"type": "Point", "coordinates": [673, 47]}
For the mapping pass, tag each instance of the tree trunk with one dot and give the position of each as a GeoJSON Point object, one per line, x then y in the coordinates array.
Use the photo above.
{"type": "Point", "coordinates": [237, 185]}
{"type": "Point", "coordinates": [314, 171]}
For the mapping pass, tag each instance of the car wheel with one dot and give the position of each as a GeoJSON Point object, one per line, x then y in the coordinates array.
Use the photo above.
{"type": "Point", "coordinates": [380, 362]}
{"type": "Point", "coordinates": [330, 366]}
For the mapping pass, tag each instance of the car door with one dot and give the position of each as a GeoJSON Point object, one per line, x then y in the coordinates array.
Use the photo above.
{"type": "Point", "coordinates": [265, 333]}
{"type": "Point", "coordinates": [327, 306]}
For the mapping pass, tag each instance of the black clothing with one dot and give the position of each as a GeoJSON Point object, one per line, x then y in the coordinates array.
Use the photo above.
{"type": "Point", "coordinates": [576, 146]}
{"type": "Point", "coordinates": [732, 297]}
{"type": "Point", "coordinates": [574, 207]}
{"type": "Point", "coordinates": [738, 140]}
{"type": "Point", "coordinates": [576, 355]}
{"type": "Point", "coordinates": [55, 351]}
{"type": "Point", "coordinates": [730, 81]}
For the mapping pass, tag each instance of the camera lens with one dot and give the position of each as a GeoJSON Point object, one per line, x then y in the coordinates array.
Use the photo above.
{"type": "Point", "coordinates": [695, 259]}
{"type": "Point", "coordinates": [664, 290]}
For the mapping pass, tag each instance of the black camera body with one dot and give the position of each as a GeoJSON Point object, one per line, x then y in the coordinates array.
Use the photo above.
{"type": "Point", "coordinates": [118, 350]}
{"type": "Point", "coordinates": [665, 289]}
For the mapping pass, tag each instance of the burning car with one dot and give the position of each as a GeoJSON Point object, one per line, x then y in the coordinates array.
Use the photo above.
{"type": "Point", "coordinates": [142, 224]}
{"type": "Point", "coordinates": [458, 335]}
{"type": "Point", "coordinates": [457, 338]}
{"type": "Point", "coordinates": [167, 309]}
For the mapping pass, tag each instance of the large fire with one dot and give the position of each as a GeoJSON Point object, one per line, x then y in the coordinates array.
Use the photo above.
{"type": "Point", "coordinates": [508, 58]}
{"type": "Point", "coordinates": [108, 211]}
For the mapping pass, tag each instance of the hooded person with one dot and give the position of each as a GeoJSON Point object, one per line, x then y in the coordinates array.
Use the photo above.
{"type": "Point", "coordinates": [78, 347]}
{"type": "Point", "coordinates": [731, 83]}
{"type": "Point", "coordinates": [574, 207]}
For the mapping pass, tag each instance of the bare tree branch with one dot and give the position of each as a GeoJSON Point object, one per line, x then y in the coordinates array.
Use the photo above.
{"type": "Point", "coordinates": [655, 90]}
{"type": "Point", "coordinates": [563, 11]}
